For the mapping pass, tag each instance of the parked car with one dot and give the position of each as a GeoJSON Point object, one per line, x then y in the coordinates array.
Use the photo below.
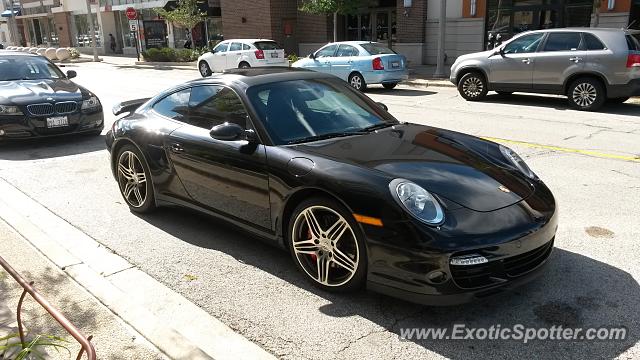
{"type": "Point", "coordinates": [39, 100]}
{"type": "Point", "coordinates": [360, 63]}
{"type": "Point", "coordinates": [588, 65]}
{"type": "Point", "coordinates": [241, 53]}
{"type": "Point", "coordinates": [314, 166]}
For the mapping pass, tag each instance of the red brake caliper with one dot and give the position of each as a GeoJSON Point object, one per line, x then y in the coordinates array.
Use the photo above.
{"type": "Point", "coordinates": [314, 257]}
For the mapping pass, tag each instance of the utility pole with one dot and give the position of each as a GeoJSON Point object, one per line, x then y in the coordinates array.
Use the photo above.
{"type": "Point", "coordinates": [13, 28]}
{"type": "Point", "coordinates": [92, 28]}
{"type": "Point", "coordinates": [335, 26]}
{"type": "Point", "coordinates": [441, 39]}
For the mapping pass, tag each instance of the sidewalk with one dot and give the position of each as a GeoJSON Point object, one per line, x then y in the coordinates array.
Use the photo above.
{"type": "Point", "coordinates": [111, 337]}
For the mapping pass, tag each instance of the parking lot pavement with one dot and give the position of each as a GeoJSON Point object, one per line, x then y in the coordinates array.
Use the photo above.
{"type": "Point", "coordinates": [587, 159]}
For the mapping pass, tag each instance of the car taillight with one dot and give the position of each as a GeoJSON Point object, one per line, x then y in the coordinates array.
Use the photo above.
{"type": "Point", "coordinates": [377, 64]}
{"type": "Point", "coordinates": [259, 54]}
{"type": "Point", "coordinates": [633, 60]}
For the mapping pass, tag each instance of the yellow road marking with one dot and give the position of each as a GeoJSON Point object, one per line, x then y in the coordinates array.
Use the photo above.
{"type": "Point", "coordinates": [567, 150]}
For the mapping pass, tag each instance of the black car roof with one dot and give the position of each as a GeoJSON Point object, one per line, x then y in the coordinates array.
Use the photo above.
{"type": "Point", "coordinates": [257, 76]}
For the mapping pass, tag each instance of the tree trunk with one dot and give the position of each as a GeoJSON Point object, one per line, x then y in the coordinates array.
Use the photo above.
{"type": "Point", "coordinates": [335, 26]}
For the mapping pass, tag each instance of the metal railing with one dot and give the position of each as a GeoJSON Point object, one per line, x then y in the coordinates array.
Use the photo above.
{"type": "Point", "coordinates": [85, 342]}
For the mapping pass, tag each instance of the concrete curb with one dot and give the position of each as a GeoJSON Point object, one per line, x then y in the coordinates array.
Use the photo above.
{"type": "Point", "coordinates": [177, 327]}
{"type": "Point", "coordinates": [191, 64]}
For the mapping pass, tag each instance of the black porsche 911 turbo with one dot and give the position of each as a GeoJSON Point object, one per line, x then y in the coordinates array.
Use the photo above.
{"type": "Point", "coordinates": [306, 162]}
{"type": "Point", "coordinates": [39, 100]}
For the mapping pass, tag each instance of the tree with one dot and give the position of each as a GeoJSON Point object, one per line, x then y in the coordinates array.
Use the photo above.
{"type": "Point", "coordinates": [187, 14]}
{"type": "Point", "coordinates": [335, 7]}
{"type": "Point", "coordinates": [596, 13]}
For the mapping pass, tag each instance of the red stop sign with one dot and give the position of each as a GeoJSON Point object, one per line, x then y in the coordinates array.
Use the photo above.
{"type": "Point", "coordinates": [131, 13]}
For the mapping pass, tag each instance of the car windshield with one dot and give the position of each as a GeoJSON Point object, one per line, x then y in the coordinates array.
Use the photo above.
{"type": "Point", "coordinates": [27, 68]}
{"type": "Point", "coordinates": [377, 49]}
{"type": "Point", "coordinates": [266, 45]}
{"type": "Point", "coordinates": [306, 110]}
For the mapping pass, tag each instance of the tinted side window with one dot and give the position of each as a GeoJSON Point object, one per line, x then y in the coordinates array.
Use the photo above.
{"type": "Point", "coordinates": [591, 42]}
{"type": "Point", "coordinates": [633, 44]}
{"type": "Point", "coordinates": [524, 44]}
{"type": "Point", "coordinates": [347, 50]}
{"type": "Point", "coordinates": [174, 106]}
{"type": "Point", "coordinates": [327, 51]}
{"type": "Point", "coordinates": [246, 47]}
{"type": "Point", "coordinates": [213, 105]}
{"type": "Point", "coordinates": [562, 42]}
{"type": "Point", "coordinates": [221, 47]}
{"type": "Point", "coordinates": [235, 47]}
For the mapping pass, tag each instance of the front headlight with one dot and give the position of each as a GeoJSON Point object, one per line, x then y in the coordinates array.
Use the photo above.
{"type": "Point", "coordinates": [517, 161]}
{"type": "Point", "coordinates": [90, 103]}
{"type": "Point", "coordinates": [10, 110]}
{"type": "Point", "coordinates": [417, 201]}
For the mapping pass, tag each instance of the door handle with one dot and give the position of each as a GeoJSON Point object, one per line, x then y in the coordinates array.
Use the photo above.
{"type": "Point", "coordinates": [176, 148]}
{"type": "Point", "coordinates": [223, 54]}
{"type": "Point", "coordinates": [526, 61]}
{"type": "Point", "coordinates": [575, 59]}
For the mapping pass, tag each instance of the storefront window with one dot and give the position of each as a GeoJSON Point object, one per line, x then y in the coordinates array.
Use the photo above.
{"type": "Point", "coordinates": [83, 37]}
{"type": "Point", "coordinates": [214, 30]}
{"type": "Point", "coordinates": [128, 38]}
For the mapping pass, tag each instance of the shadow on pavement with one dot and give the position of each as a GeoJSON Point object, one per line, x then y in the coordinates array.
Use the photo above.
{"type": "Point", "coordinates": [573, 291]}
{"type": "Point", "coordinates": [559, 103]}
{"type": "Point", "coordinates": [398, 91]}
{"type": "Point", "coordinates": [36, 149]}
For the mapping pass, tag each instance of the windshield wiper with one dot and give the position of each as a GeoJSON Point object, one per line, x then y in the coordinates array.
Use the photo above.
{"type": "Point", "coordinates": [377, 127]}
{"type": "Point", "coordinates": [326, 136]}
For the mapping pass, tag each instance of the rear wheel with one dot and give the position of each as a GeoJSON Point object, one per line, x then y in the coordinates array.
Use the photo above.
{"type": "Point", "coordinates": [586, 94]}
{"type": "Point", "coordinates": [389, 85]}
{"type": "Point", "coordinates": [204, 69]}
{"type": "Point", "coordinates": [473, 86]}
{"type": "Point", "coordinates": [134, 180]}
{"type": "Point", "coordinates": [244, 65]}
{"type": "Point", "coordinates": [327, 246]}
{"type": "Point", "coordinates": [357, 82]}
{"type": "Point", "coordinates": [618, 100]}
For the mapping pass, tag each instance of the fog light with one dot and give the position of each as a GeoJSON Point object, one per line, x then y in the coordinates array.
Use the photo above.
{"type": "Point", "coordinates": [467, 260]}
{"type": "Point", "coordinates": [437, 277]}
{"type": "Point", "coordinates": [1, 132]}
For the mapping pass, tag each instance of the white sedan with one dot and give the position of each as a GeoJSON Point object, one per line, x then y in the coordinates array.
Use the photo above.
{"type": "Point", "coordinates": [241, 53]}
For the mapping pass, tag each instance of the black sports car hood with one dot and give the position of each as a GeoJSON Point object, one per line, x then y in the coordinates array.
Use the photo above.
{"type": "Point", "coordinates": [462, 168]}
{"type": "Point", "coordinates": [26, 91]}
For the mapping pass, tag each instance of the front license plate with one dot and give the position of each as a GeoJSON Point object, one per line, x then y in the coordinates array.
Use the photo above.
{"type": "Point", "coordinates": [274, 55]}
{"type": "Point", "coordinates": [57, 121]}
{"type": "Point", "coordinates": [395, 64]}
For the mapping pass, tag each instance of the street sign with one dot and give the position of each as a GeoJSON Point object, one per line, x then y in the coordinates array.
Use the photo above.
{"type": "Point", "coordinates": [131, 13]}
{"type": "Point", "coordinates": [133, 25]}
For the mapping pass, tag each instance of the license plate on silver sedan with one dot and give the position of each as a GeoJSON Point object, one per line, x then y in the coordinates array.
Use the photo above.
{"type": "Point", "coordinates": [395, 64]}
{"type": "Point", "coordinates": [274, 54]}
{"type": "Point", "coordinates": [57, 121]}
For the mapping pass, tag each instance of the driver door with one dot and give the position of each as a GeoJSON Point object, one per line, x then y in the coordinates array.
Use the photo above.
{"type": "Point", "coordinates": [227, 177]}
{"type": "Point", "coordinates": [324, 58]}
{"type": "Point", "coordinates": [219, 58]}
{"type": "Point", "coordinates": [513, 68]}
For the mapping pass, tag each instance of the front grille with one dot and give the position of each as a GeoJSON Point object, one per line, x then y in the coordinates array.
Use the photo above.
{"type": "Point", "coordinates": [40, 109]}
{"type": "Point", "coordinates": [66, 107]}
{"type": "Point", "coordinates": [499, 271]}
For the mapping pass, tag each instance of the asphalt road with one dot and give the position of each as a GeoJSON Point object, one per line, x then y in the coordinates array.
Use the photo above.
{"type": "Point", "coordinates": [589, 160]}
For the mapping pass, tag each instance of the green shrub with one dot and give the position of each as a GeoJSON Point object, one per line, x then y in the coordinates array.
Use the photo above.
{"type": "Point", "coordinates": [293, 58]}
{"type": "Point", "coordinates": [74, 53]}
{"type": "Point", "coordinates": [172, 55]}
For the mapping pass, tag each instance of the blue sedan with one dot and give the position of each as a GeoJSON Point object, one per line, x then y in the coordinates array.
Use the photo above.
{"type": "Point", "coordinates": [360, 63]}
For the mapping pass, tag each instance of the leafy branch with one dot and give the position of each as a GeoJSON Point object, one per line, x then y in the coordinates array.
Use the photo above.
{"type": "Point", "coordinates": [187, 14]}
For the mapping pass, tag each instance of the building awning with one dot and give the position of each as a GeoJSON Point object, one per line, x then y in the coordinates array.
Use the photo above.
{"type": "Point", "coordinates": [7, 13]}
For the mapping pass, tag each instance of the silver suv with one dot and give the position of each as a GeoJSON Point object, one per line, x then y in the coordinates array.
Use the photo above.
{"type": "Point", "coordinates": [588, 65]}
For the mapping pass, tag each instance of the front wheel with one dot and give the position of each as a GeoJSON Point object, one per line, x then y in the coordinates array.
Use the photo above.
{"type": "Point", "coordinates": [389, 86]}
{"type": "Point", "coordinates": [586, 94]}
{"type": "Point", "coordinates": [357, 82]}
{"type": "Point", "coordinates": [134, 180]}
{"type": "Point", "coordinates": [204, 69]}
{"type": "Point", "coordinates": [244, 65]}
{"type": "Point", "coordinates": [473, 86]}
{"type": "Point", "coordinates": [327, 246]}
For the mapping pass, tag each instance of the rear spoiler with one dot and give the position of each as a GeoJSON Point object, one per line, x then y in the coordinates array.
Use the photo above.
{"type": "Point", "coordinates": [128, 106]}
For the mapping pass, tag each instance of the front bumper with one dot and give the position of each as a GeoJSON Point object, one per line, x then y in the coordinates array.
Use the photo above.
{"type": "Point", "coordinates": [27, 127]}
{"type": "Point", "coordinates": [385, 77]}
{"type": "Point", "coordinates": [632, 88]}
{"type": "Point", "coordinates": [406, 258]}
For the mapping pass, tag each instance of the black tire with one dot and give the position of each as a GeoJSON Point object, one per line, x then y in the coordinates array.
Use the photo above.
{"type": "Point", "coordinates": [504, 93]}
{"type": "Point", "coordinates": [618, 100]}
{"type": "Point", "coordinates": [357, 82]}
{"type": "Point", "coordinates": [389, 86]}
{"type": "Point", "coordinates": [244, 65]}
{"type": "Point", "coordinates": [339, 278]}
{"type": "Point", "coordinates": [586, 94]}
{"type": "Point", "coordinates": [473, 86]}
{"type": "Point", "coordinates": [124, 183]}
{"type": "Point", "coordinates": [204, 69]}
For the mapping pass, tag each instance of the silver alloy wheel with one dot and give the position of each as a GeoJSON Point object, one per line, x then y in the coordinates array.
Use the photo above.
{"type": "Point", "coordinates": [472, 87]}
{"type": "Point", "coordinates": [356, 82]}
{"type": "Point", "coordinates": [584, 94]}
{"type": "Point", "coordinates": [329, 254]}
{"type": "Point", "coordinates": [204, 69]}
{"type": "Point", "coordinates": [132, 179]}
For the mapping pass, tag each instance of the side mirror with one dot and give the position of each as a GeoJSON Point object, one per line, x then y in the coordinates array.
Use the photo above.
{"type": "Point", "coordinates": [312, 56]}
{"type": "Point", "coordinates": [71, 74]}
{"type": "Point", "coordinates": [227, 132]}
{"type": "Point", "coordinates": [383, 106]}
